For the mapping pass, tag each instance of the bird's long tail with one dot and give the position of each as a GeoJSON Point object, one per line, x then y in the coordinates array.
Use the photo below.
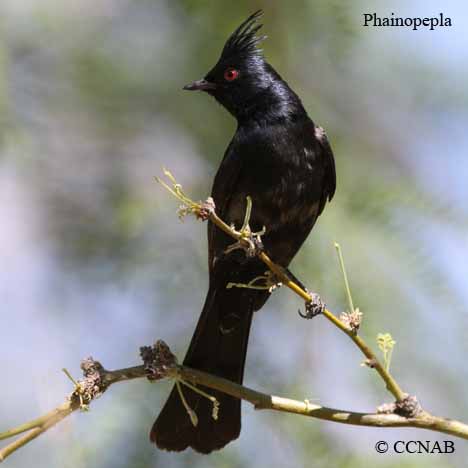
{"type": "Point", "coordinates": [219, 347]}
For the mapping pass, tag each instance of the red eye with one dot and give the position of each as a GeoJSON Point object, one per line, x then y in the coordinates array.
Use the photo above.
{"type": "Point", "coordinates": [231, 74]}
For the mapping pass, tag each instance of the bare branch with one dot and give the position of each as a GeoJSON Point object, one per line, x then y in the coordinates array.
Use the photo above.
{"type": "Point", "coordinates": [195, 208]}
{"type": "Point", "coordinates": [159, 363]}
{"type": "Point", "coordinates": [99, 380]}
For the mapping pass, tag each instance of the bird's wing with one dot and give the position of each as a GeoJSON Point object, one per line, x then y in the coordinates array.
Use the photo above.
{"type": "Point", "coordinates": [224, 186]}
{"type": "Point", "coordinates": [329, 185]}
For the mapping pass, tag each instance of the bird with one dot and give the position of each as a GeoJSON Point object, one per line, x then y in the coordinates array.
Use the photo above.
{"type": "Point", "coordinates": [284, 163]}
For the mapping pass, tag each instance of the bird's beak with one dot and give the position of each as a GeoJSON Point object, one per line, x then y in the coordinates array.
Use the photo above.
{"type": "Point", "coordinates": [200, 85]}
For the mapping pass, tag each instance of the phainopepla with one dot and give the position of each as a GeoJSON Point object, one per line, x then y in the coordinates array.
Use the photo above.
{"type": "Point", "coordinates": [284, 162]}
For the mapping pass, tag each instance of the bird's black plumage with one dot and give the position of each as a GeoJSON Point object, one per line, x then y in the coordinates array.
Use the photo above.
{"type": "Point", "coordinates": [282, 160]}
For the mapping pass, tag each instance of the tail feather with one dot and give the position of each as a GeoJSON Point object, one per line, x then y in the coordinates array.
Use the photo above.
{"type": "Point", "coordinates": [218, 346]}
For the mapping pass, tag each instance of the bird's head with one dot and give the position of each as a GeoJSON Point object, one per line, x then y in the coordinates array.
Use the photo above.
{"type": "Point", "coordinates": [242, 81]}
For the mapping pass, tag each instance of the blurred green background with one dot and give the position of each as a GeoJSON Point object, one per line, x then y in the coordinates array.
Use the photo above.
{"type": "Point", "coordinates": [95, 261]}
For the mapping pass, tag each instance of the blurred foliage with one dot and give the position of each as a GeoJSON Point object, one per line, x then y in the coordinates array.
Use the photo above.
{"type": "Point", "coordinates": [97, 262]}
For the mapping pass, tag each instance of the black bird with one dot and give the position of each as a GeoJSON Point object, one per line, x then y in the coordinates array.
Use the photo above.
{"type": "Point", "coordinates": [284, 162]}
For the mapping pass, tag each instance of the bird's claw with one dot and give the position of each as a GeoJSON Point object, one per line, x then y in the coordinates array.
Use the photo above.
{"type": "Point", "coordinates": [250, 242]}
{"type": "Point", "coordinates": [313, 307]}
{"type": "Point", "coordinates": [255, 244]}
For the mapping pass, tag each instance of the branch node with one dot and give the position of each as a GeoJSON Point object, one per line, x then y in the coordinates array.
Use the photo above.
{"type": "Point", "coordinates": [352, 320]}
{"type": "Point", "coordinates": [313, 307]}
{"type": "Point", "coordinates": [250, 242]}
{"type": "Point", "coordinates": [207, 208]}
{"type": "Point", "coordinates": [409, 407]}
{"type": "Point", "coordinates": [92, 386]}
{"type": "Point", "coordinates": [159, 361]}
{"type": "Point", "coordinates": [308, 405]}
{"type": "Point", "coordinates": [372, 363]}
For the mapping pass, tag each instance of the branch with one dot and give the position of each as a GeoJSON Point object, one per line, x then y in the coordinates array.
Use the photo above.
{"type": "Point", "coordinates": [96, 381]}
{"type": "Point", "coordinates": [206, 211]}
{"type": "Point", "coordinates": [260, 401]}
{"type": "Point", "coordinates": [160, 363]}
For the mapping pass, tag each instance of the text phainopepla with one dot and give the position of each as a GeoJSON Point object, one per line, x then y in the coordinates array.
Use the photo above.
{"type": "Point", "coordinates": [284, 162]}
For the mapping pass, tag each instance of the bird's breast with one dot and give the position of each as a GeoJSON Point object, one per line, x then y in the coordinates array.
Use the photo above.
{"type": "Point", "coordinates": [284, 191]}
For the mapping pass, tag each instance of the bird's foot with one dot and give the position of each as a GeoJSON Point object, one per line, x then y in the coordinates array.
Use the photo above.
{"type": "Point", "coordinates": [250, 242]}
{"type": "Point", "coordinates": [254, 244]}
{"type": "Point", "coordinates": [313, 307]}
{"type": "Point", "coordinates": [272, 281]}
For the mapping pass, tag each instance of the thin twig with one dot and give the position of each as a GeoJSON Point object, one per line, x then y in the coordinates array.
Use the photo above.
{"type": "Point", "coordinates": [345, 277]}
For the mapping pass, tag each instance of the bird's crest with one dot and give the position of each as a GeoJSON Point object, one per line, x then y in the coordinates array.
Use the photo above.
{"type": "Point", "coordinates": [243, 41]}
